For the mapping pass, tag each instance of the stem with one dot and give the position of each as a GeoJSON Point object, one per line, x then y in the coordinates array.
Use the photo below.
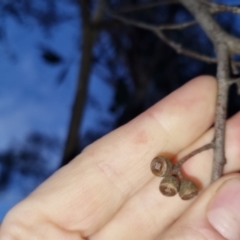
{"type": "Point", "coordinates": [178, 165]}
{"type": "Point", "coordinates": [193, 153]}
{"type": "Point", "coordinates": [219, 158]}
{"type": "Point", "coordinates": [224, 44]}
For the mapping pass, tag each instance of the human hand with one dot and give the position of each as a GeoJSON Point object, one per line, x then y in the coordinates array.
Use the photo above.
{"type": "Point", "coordinates": [109, 193]}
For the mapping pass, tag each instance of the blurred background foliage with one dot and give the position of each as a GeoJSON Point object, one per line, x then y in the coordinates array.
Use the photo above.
{"type": "Point", "coordinates": [137, 66]}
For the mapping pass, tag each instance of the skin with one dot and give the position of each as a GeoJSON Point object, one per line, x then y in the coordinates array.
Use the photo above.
{"type": "Point", "coordinates": [109, 192]}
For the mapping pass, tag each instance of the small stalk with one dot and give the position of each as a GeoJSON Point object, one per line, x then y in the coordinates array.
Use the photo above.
{"type": "Point", "coordinates": [219, 159]}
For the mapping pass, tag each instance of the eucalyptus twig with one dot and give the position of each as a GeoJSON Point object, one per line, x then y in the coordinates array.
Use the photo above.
{"type": "Point", "coordinates": [155, 29]}
{"type": "Point", "coordinates": [176, 46]}
{"type": "Point", "coordinates": [215, 7]}
{"type": "Point", "coordinates": [179, 164]}
{"type": "Point", "coordinates": [179, 49]}
{"type": "Point", "coordinates": [219, 159]}
{"type": "Point", "coordinates": [225, 46]}
{"type": "Point", "coordinates": [147, 26]}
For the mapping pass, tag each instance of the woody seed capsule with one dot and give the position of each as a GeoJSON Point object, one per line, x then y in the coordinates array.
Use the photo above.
{"type": "Point", "coordinates": [169, 186]}
{"type": "Point", "coordinates": [188, 189]}
{"type": "Point", "coordinates": [161, 166]}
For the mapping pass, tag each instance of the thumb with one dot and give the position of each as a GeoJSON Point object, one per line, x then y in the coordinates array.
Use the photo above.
{"type": "Point", "coordinates": [215, 214]}
{"type": "Point", "coordinates": [223, 212]}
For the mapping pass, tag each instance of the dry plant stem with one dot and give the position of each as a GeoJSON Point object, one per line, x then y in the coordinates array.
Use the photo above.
{"type": "Point", "coordinates": [203, 16]}
{"type": "Point", "coordinates": [155, 29]}
{"type": "Point", "coordinates": [219, 159]}
{"type": "Point", "coordinates": [176, 46]}
{"type": "Point", "coordinates": [215, 7]}
{"type": "Point", "coordinates": [179, 164]}
{"type": "Point", "coordinates": [180, 50]}
{"type": "Point", "coordinates": [234, 81]}
{"type": "Point", "coordinates": [178, 26]}
{"type": "Point", "coordinates": [223, 43]}
{"type": "Point", "coordinates": [237, 82]}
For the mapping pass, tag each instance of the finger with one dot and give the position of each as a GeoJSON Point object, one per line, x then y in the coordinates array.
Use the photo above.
{"type": "Point", "coordinates": [214, 215]}
{"type": "Point", "coordinates": [85, 194]}
{"type": "Point", "coordinates": [149, 213]}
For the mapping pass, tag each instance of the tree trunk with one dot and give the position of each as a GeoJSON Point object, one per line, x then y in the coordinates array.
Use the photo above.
{"type": "Point", "coordinates": [89, 34]}
{"type": "Point", "coordinates": [72, 141]}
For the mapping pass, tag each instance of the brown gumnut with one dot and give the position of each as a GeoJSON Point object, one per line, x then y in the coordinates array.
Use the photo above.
{"type": "Point", "coordinates": [188, 190]}
{"type": "Point", "coordinates": [169, 186]}
{"type": "Point", "coordinates": [161, 166]}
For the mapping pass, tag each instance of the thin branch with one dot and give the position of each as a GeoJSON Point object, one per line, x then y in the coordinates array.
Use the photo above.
{"type": "Point", "coordinates": [178, 26]}
{"type": "Point", "coordinates": [237, 82]}
{"type": "Point", "coordinates": [176, 46]}
{"type": "Point", "coordinates": [224, 44]}
{"type": "Point", "coordinates": [179, 49]}
{"type": "Point", "coordinates": [234, 81]}
{"type": "Point", "coordinates": [178, 165]}
{"type": "Point", "coordinates": [150, 26]}
{"type": "Point", "coordinates": [145, 6]}
{"type": "Point", "coordinates": [155, 29]}
{"type": "Point", "coordinates": [131, 22]}
{"type": "Point", "coordinates": [216, 8]}
{"type": "Point", "coordinates": [213, 30]}
{"type": "Point", "coordinates": [234, 66]}
{"type": "Point", "coordinates": [219, 159]}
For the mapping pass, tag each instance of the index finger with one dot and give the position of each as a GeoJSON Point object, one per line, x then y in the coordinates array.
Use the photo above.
{"type": "Point", "coordinates": [85, 194]}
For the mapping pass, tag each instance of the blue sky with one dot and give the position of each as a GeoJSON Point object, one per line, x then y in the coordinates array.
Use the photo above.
{"type": "Point", "coordinates": [30, 97]}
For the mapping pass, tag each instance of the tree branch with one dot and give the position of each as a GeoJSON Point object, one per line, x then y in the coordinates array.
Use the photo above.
{"type": "Point", "coordinates": [216, 8]}
{"type": "Point", "coordinates": [146, 6]}
{"type": "Point", "coordinates": [179, 49]}
{"type": "Point", "coordinates": [89, 36]}
{"type": "Point", "coordinates": [237, 82]}
{"type": "Point", "coordinates": [179, 164]}
{"type": "Point", "coordinates": [219, 159]}
{"type": "Point", "coordinates": [225, 45]}
{"type": "Point", "coordinates": [155, 29]}
{"type": "Point", "coordinates": [178, 26]}
{"type": "Point", "coordinates": [213, 30]}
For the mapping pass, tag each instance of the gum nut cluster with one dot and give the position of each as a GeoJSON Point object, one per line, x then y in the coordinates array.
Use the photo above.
{"type": "Point", "coordinates": [172, 184]}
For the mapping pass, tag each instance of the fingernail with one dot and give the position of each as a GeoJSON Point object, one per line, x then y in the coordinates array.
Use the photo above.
{"type": "Point", "coordinates": [224, 210]}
